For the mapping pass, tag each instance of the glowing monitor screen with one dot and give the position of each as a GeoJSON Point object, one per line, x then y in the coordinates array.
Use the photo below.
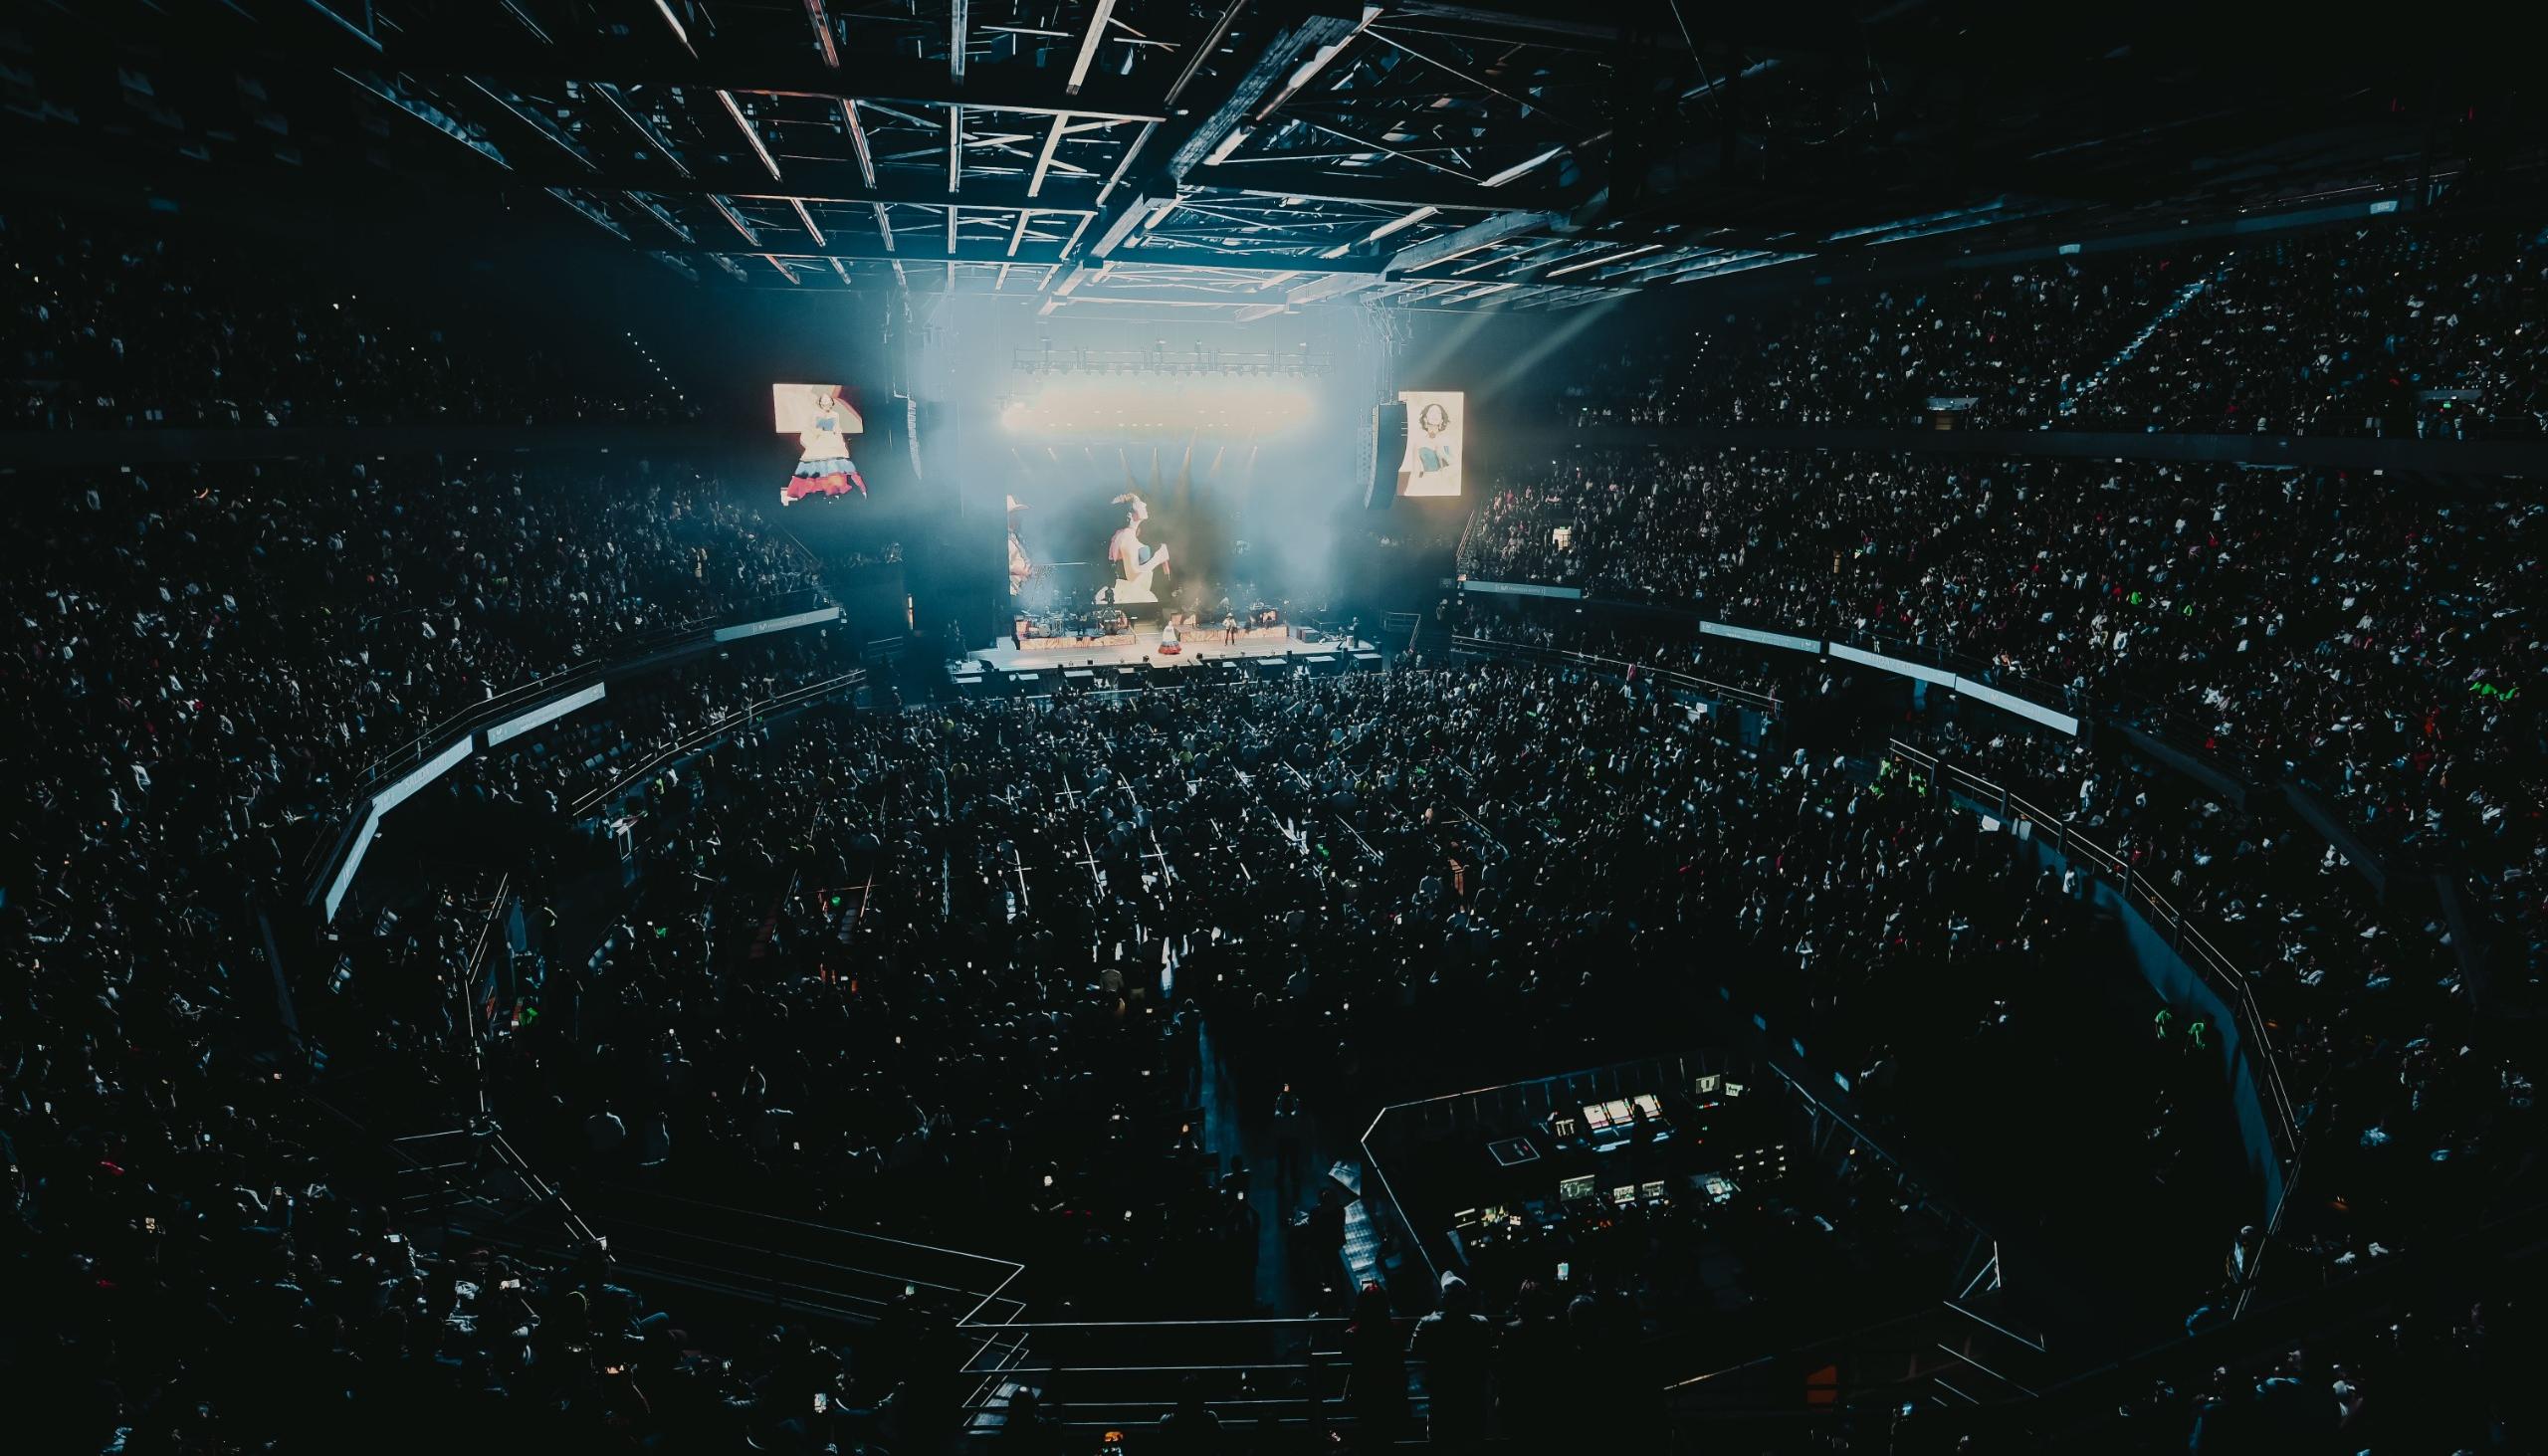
{"type": "Point", "coordinates": [1435, 449]}
{"type": "Point", "coordinates": [823, 409]}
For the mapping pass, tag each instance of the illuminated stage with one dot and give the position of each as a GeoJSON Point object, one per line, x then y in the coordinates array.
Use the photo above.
{"type": "Point", "coordinates": [1268, 649]}
{"type": "Point", "coordinates": [1029, 646]}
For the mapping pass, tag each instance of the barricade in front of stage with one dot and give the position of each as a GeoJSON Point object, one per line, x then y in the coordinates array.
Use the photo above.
{"type": "Point", "coordinates": [980, 677]}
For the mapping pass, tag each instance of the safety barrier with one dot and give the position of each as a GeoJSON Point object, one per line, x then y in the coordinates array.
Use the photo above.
{"type": "Point", "coordinates": [1254, 1374]}
{"type": "Point", "coordinates": [524, 701]}
{"type": "Point", "coordinates": [400, 772]}
{"type": "Point", "coordinates": [796, 1266]}
{"type": "Point", "coordinates": [1614, 666]}
{"type": "Point", "coordinates": [2055, 707]}
{"type": "Point", "coordinates": [2224, 977]}
{"type": "Point", "coordinates": [2137, 890]}
{"type": "Point", "coordinates": [693, 742]}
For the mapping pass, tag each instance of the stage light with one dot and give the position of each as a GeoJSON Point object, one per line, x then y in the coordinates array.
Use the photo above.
{"type": "Point", "coordinates": [1155, 404]}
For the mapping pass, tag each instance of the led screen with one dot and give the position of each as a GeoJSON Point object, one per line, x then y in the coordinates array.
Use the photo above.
{"type": "Point", "coordinates": [1435, 447]}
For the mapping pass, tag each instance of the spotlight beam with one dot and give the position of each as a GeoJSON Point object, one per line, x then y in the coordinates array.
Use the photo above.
{"type": "Point", "coordinates": [1547, 345]}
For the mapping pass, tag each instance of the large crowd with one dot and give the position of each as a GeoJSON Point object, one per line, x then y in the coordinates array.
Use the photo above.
{"type": "Point", "coordinates": [978, 940]}
{"type": "Point", "coordinates": [961, 971]}
{"type": "Point", "coordinates": [2376, 642]}
{"type": "Point", "coordinates": [117, 323]}
{"type": "Point", "coordinates": [2398, 1092]}
{"type": "Point", "coordinates": [2428, 330]}
{"type": "Point", "coordinates": [952, 964]}
{"type": "Point", "coordinates": [186, 1268]}
{"type": "Point", "coordinates": [2001, 348]}
{"type": "Point", "coordinates": [2433, 332]}
{"type": "Point", "coordinates": [416, 588]}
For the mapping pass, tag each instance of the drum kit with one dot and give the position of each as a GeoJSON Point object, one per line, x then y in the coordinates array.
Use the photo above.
{"type": "Point", "coordinates": [1078, 624]}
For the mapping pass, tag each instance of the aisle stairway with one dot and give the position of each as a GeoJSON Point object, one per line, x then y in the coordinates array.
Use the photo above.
{"type": "Point", "coordinates": [2183, 296]}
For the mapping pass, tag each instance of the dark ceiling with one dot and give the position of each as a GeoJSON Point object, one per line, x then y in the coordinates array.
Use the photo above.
{"type": "Point", "coordinates": [1246, 155]}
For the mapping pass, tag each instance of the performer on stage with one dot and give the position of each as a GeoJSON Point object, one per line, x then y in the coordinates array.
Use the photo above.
{"type": "Point", "coordinates": [823, 468]}
{"type": "Point", "coordinates": [1133, 562]}
{"type": "Point", "coordinates": [1019, 567]}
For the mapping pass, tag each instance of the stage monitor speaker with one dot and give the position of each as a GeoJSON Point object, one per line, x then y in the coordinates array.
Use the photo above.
{"type": "Point", "coordinates": [1388, 446]}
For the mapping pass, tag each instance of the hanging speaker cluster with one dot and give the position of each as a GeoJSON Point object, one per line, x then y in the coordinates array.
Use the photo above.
{"type": "Point", "coordinates": [1388, 446]}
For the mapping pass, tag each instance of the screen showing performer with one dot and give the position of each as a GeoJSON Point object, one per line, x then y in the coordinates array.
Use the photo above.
{"type": "Point", "coordinates": [1434, 449]}
{"type": "Point", "coordinates": [1135, 564]}
{"type": "Point", "coordinates": [822, 420]}
{"type": "Point", "coordinates": [1021, 568]}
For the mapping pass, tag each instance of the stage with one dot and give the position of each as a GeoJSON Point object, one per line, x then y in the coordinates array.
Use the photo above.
{"type": "Point", "coordinates": [1132, 649]}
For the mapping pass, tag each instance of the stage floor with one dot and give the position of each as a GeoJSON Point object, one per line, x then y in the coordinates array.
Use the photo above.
{"type": "Point", "coordinates": [1200, 646]}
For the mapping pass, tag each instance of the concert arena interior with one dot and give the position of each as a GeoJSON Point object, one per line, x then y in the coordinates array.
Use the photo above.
{"type": "Point", "coordinates": [912, 727]}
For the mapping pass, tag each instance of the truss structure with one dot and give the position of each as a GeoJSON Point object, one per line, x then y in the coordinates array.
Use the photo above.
{"type": "Point", "coordinates": [1248, 156]}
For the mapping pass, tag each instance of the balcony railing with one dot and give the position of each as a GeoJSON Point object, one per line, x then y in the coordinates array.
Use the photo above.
{"type": "Point", "coordinates": [628, 653]}
{"type": "Point", "coordinates": [1614, 666]}
{"type": "Point", "coordinates": [1254, 1374]}
{"type": "Point", "coordinates": [334, 858]}
{"type": "Point", "coordinates": [697, 739]}
{"type": "Point", "coordinates": [2227, 978]}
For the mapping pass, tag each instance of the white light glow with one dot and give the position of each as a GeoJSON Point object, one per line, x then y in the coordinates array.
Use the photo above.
{"type": "Point", "coordinates": [1139, 406]}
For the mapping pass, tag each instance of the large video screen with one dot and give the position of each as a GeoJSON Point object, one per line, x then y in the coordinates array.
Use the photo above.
{"type": "Point", "coordinates": [797, 409]}
{"type": "Point", "coordinates": [1434, 449]}
{"type": "Point", "coordinates": [822, 419]}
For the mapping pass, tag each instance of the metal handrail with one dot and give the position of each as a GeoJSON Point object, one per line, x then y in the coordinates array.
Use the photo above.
{"type": "Point", "coordinates": [2216, 966]}
{"type": "Point", "coordinates": [468, 988]}
{"type": "Point", "coordinates": [1492, 647]}
{"type": "Point", "coordinates": [633, 648]}
{"type": "Point", "coordinates": [692, 743]}
{"type": "Point", "coordinates": [421, 747]}
{"type": "Point", "coordinates": [1983, 671]}
{"type": "Point", "coordinates": [1248, 1321]}
{"type": "Point", "coordinates": [1317, 1398]}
